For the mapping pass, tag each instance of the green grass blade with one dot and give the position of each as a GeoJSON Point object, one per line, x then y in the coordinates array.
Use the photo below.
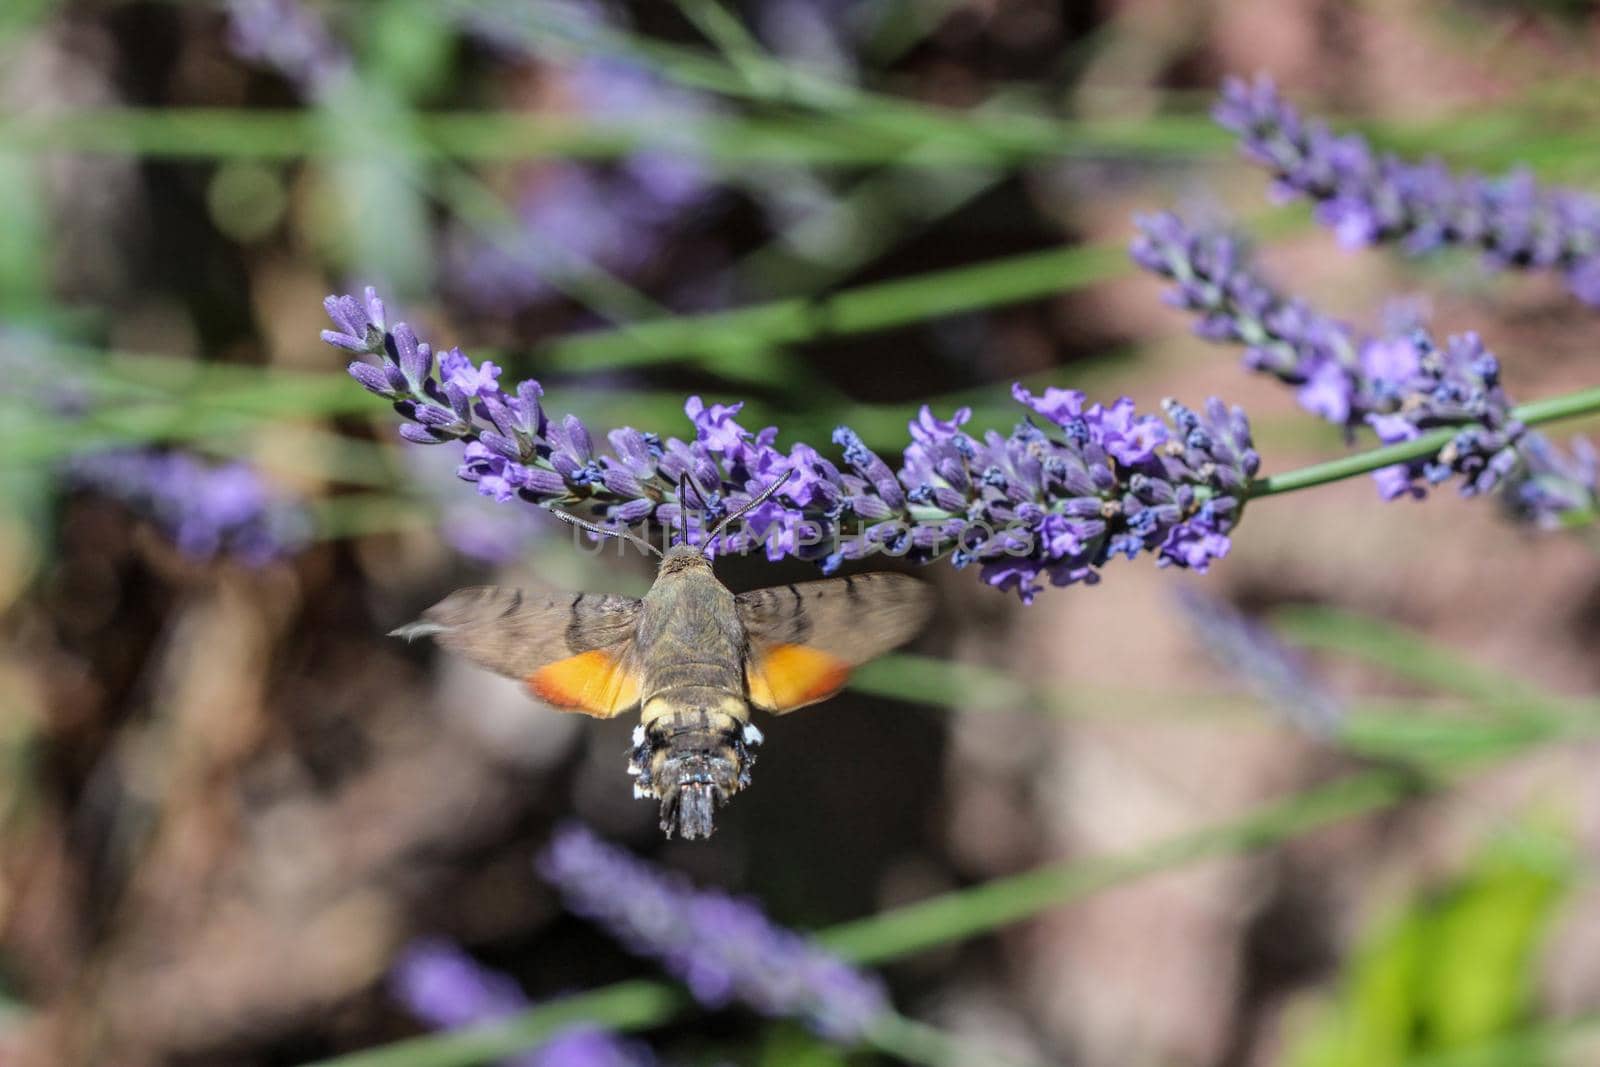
{"type": "Point", "coordinates": [961, 913]}
{"type": "Point", "coordinates": [381, 222]}
{"type": "Point", "coordinates": [17, 17]}
{"type": "Point", "coordinates": [25, 249]}
{"type": "Point", "coordinates": [916, 927]}
{"type": "Point", "coordinates": [1539, 1043]}
{"type": "Point", "coordinates": [743, 53]}
{"type": "Point", "coordinates": [827, 246]}
{"type": "Point", "coordinates": [965, 913]}
{"type": "Point", "coordinates": [624, 1006]}
{"type": "Point", "coordinates": [917, 1042]}
{"type": "Point", "coordinates": [1405, 653]}
{"type": "Point", "coordinates": [726, 142]}
{"type": "Point", "coordinates": [866, 308]}
{"type": "Point", "coordinates": [974, 687]}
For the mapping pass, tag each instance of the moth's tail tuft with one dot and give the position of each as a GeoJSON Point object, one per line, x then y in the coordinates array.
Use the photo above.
{"type": "Point", "coordinates": [689, 810]}
{"type": "Point", "coordinates": [693, 769]}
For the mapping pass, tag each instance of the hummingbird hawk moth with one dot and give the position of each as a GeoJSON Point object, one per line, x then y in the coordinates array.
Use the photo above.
{"type": "Point", "coordinates": [691, 656]}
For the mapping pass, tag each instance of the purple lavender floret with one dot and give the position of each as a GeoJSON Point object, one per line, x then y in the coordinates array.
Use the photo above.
{"type": "Point", "coordinates": [361, 324]}
{"type": "Point", "coordinates": [1052, 501]}
{"type": "Point", "coordinates": [1367, 198]}
{"type": "Point", "coordinates": [1258, 658]}
{"type": "Point", "coordinates": [447, 989]}
{"type": "Point", "coordinates": [1100, 482]}
{"type": "Point", "coordinates": [1457, 386]}
{"type": "Point", "coordinates": [724, 949]}
{"type": "Point", "coordinates": [1401, 385]}
{"type": "Point", "coordinates": [207, 510]}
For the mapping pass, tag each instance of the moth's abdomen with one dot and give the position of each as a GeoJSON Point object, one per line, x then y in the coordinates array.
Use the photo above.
{"type": "Point", "coordinates": [692, 752]}
{"type": "Point", "coordinates": [687, 682]}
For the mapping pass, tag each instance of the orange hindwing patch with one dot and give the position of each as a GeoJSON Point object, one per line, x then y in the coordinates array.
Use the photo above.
{"type": "Point", "coordinates": [595, 683]}
{"type": "Point", "coordinates": [785, 677]}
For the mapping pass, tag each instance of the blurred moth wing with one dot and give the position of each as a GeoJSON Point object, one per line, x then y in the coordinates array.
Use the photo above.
{"type": "Point", "coordinates": [573, 651]}
{"type": "Point", "coordinates": [690, 656]}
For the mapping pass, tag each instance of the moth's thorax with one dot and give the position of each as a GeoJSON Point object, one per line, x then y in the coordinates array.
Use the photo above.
{"type": "Point", "coordinates": [690, 642]}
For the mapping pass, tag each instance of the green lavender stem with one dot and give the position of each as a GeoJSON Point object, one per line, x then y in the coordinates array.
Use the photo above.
{"type": "Point", "coordinates": [1566, 406]}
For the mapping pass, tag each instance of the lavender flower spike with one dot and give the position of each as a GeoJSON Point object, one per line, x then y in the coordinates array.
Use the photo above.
{"type": "Point", "coordinates": [447, 989]}
{"type": "Point", "coordinates": [1259, 659]}
{"type": "Point", "coordinates": [722, 948]}
{"type": "Point", "coordinates": [1400, 385]}
{"type": "Point", "coordinates": [1555, 489]}
{"type": "Point", "coordinates": [1366, 198]}
{"type": "Point", "coordinates": [1054, 500]}
{"type": "Point", "coordinates": [206, 510]}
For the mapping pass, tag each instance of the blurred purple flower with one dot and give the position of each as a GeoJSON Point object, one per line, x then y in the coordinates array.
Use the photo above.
{"type": "Point", "coordinates": [34, 373]}
{"type": "Point", "coordinates": [207, 510]}
{"type": "Point", "coordinates": [1251, 652]}
{"type": "Point", "coordinates": [1555, 488]}
{"type": "Point", "coordinates": [288, 36]}
{"type": "Point", "coordinates": [507, 25]}
{"type": "Point", "coordinates": [447, 989]}
{"type": "Point", "coordinates": [575, 217]}
{"type": "Point", "coordinates": [1367, 198]}
{"type": "Point", "coordinates": [590, 1046]}
{"type": "Point", "coordinates": [816, 33]}
{"type": "Point", "coordinates": [476, 526]}
{"type": "Point", "coordinates": [567, 216]}
{"type": "Point", "coordinates": [722, 948]}
{"type": "Point", "coordinates": [1051, 503]}
{"type": "Point", "coordinates": [1400, 385]}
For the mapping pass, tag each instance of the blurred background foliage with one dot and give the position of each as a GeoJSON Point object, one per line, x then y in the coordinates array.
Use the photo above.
{"type": "Point", "coordinates": [1450, 972]}
{"type": "Point", "coordinates": [1066, 833]}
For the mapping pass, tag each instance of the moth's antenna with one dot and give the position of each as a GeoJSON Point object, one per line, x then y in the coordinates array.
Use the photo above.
{"type": "Point", "coordinates": [683, 506]}
{"type": "Point", "coordinates": [603, 531]}
{"type": "Point", "coordinates": [755, 502]}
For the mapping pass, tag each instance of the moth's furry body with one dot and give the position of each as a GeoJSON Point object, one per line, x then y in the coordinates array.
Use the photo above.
{"type": "Point", "coordinates": [692, 746]}
{"type": "Point", "coordinates": [692, 657]}
{"type": "Point", "coordinates": [691, 643]}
